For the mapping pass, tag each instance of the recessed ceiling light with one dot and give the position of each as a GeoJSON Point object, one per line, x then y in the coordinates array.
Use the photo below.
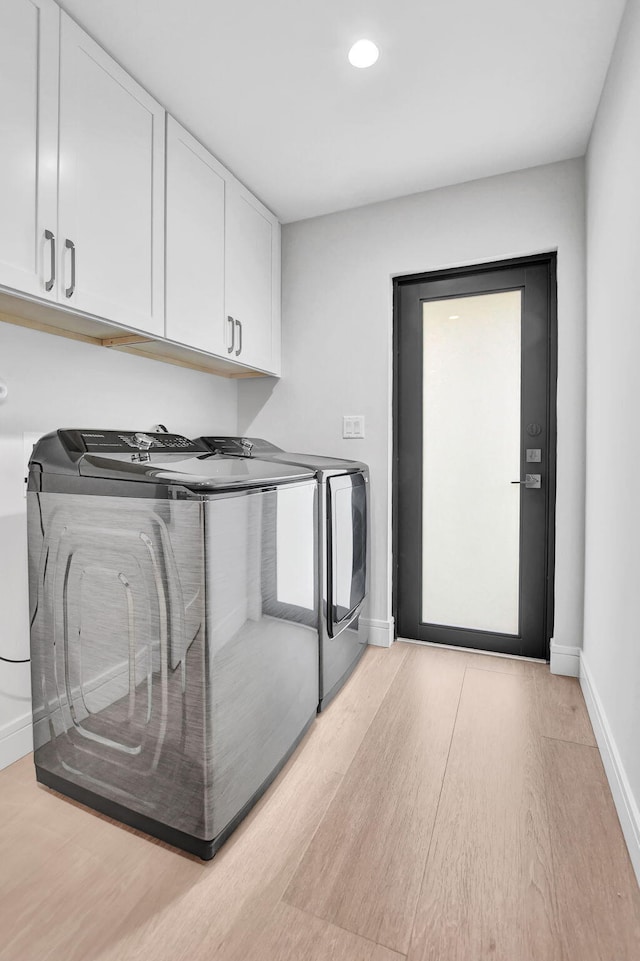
{"type": "Point", "coordinates": [454, 317]}
{"type": "Point", "coordinates": [364, 53]}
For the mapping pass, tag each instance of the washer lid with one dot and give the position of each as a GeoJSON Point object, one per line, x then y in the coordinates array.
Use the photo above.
{"type": "Point", "coordinates": [162, 460]}
{"type": "Point", "coordinates": [200, 472]}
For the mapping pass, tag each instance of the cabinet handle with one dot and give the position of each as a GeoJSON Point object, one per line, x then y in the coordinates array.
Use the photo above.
{"type": "Point", "coordinates": [48, 235]}
{"type": "Point", "coordinates": [233, 334]}
{"type": "Point", "coordinates": [239, 326]}
{"type": "Point", "coordinates": [69, 244]}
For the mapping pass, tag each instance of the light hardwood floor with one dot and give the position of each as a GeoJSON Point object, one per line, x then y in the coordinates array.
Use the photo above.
{"type": "Point", "coordinates": [447, 806]}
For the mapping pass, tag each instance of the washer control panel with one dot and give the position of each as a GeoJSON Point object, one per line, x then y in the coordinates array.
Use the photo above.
{"type": "Point", "coordinates": [114, 442]}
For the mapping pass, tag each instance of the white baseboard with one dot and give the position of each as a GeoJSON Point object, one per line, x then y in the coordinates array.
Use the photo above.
{"type": "Point", "coordinates": [380, 632]}
{"type": "Point", "coordinates": [626, 804]}
{"type": "Point", "coordinates": [565, 660]}
{"type": "Point", "coordinates": [16, 740]}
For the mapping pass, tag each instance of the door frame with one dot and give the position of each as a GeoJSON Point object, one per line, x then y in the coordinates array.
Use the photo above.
{"type": "Point", "coordinates": [550, 259]}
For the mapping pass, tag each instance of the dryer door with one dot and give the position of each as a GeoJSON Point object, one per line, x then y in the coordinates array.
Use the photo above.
{"type": "Point", "coordinates": [346, 548]}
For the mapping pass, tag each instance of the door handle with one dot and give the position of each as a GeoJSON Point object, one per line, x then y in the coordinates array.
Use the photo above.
{"type": "Point", "coordinates": [231, 321]}
{"type": "Point", "coordinates": [531, 481]}
{"type": "Point", "coordinates": [48, 235]}
{"type": "Point", "coordinates": [239, 350]}
{"type": "Point", "coordinates": [69, 245]}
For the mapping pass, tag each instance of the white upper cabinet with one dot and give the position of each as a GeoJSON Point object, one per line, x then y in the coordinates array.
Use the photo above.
{"type": "Point", "coordinates": [111, 188]}
{"type": "Point", "coordinates": [222, 259]}
{"type": "Point", "coordinates": [29, 143]}
{"type": "Point", "coordinates": [252, 279]}
{"type": "Point", "coordinates": [84, 197]}
{"type": "Point", "coordinates": [194, 265]}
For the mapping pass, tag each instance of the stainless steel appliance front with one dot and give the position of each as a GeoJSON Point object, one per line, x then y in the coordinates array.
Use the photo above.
{"type": "Point", "coordinates": [169, 677]}
{"type": "Point", "coordinates": [343, 551]}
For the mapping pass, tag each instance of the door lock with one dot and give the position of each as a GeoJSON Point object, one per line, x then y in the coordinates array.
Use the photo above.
{"type": "Point", "coordinates": [531, 481]}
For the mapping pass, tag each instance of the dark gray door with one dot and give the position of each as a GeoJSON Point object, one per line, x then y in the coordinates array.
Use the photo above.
{"type": "Point", "coordinates": [474, 435]}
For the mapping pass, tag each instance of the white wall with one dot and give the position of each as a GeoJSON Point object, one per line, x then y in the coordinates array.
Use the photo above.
{"type": "Point", "coordinates": [611, 659]}
{"type": "Point", "coordinates": [337, 328]}
{"type": "Point", "coordinates": [55, 382]}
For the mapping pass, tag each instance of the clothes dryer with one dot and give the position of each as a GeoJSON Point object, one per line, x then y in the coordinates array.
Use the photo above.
{"type": "Point", "coordinates": [343, 552]}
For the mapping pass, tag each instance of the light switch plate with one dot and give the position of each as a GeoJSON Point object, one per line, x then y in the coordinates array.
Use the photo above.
{"type": "Point", "coordinates": [353, 426]}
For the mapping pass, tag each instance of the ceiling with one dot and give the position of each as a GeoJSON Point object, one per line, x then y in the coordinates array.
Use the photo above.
{"type": "Point", "coordinates": [463, 89]}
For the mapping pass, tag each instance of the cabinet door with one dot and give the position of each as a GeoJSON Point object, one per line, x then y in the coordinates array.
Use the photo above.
{"type": "Point", "coordinates": [249, 276]}
{"type": "Point", "coordinates": [111, 211]}
{"type": "Point", "coordinates": [194, 265]}
{"type": "Point", "coordinates": [29, 138]}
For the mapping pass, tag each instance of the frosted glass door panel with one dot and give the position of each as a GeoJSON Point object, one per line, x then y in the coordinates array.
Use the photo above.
{"type": "Point", "coordinates": [471, 453]}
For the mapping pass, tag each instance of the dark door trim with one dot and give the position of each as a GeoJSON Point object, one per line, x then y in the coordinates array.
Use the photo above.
{"type": "Point", "coordinates": [550, 260]}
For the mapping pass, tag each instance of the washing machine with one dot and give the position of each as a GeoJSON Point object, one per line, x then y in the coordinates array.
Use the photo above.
{"type": "Point", "coordinates": [343, 552]}
{"type": "Point", "coordinates": [174, 645]}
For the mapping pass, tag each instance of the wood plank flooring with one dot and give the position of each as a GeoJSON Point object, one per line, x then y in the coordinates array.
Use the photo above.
{"type": "Point", "coordinates": [561, 711]}
{"type": "Point", "coordinates": [488, 888]}
{"type": "Point", "coordinates": [597, 895]}
{"type": "Point", "coordinates": [364, 866]}
{"type": "Point", "coordinates": [446, 806]}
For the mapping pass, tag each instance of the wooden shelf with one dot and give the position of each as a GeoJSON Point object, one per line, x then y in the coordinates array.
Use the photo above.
{"type": "Point", "coordinates": [52, 319]}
